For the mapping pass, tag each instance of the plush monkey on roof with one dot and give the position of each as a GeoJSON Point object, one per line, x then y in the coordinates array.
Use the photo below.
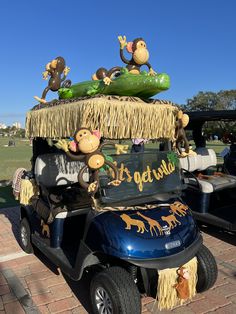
{"type": "Point", "coordinates": [54, 69]}
{"type": "Point", "coordinates": [140, 55]}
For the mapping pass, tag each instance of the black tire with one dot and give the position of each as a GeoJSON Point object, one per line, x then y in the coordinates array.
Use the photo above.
{"type": "Point", "coordinates": [25, 236]}
{"type": "Point", "coordinates": [207, 269]}
{"type": "Point", "coordinates": [123, 295]}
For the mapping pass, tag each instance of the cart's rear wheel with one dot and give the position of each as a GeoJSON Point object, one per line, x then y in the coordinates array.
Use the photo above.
{"type": "Point", "coordinates": [113, 291]}
{"type": "Point", "coordinates": [25, 236]}
{"type": "Point", "coordinates": [207, 269]}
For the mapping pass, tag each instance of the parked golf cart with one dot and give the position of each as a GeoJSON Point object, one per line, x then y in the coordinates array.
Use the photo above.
{"type": "Point", "coordinates": [125, 234]}
{"type": "Point", "coordinates": [211, 187]}
{"type": "Point", "coordinates": [90, 207]}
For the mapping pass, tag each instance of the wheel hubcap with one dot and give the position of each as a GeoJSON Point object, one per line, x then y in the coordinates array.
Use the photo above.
{"type": "Point", "coordinates": [103, 301]}
{"type": "Point", "coordinates": [24, 237]}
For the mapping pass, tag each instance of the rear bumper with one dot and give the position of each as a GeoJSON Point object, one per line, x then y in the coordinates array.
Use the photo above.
{"type": "Point", "coordinates": [175, 260]}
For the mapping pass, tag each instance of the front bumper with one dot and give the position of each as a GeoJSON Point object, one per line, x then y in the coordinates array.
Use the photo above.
{"type": "Point", "coordinates": [172, 261]}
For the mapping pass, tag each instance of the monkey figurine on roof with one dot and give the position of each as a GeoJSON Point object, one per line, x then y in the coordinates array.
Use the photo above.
{"type": "Point", "coordinates": [54, 69]}
{"type": "Point", "coordinates": [140, 55]}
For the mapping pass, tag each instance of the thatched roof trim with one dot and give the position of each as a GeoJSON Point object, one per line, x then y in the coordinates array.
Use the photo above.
{"type": "Point", "coordinates": [115, 118]}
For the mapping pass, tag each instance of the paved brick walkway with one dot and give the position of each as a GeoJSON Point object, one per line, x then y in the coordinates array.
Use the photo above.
{"type": "Point", "coordinates": [30, 284]}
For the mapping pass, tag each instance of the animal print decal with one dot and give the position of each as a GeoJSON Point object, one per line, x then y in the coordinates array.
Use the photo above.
{"type": "Point", "coordinates": [133, 222]}
{"type": "Point", "coordinates": [171, 220]}
{"type": "Point", "coordinates": [152, 224]}
{"type": "Point", "coordinates": [177, 209]}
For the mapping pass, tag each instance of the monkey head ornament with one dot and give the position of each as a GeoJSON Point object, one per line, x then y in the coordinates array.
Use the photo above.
{"type": "Point", "coordinates": [106, 75]}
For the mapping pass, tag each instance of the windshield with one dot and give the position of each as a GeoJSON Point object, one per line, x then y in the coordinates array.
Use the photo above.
{"type": "Point", "coordinates": [142, 175]}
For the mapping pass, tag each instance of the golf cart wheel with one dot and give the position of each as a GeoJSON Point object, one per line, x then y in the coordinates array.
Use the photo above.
{"type": "Point", "coordinates": [207, 269]}
{"type": "Point", "coordinates": [113, 291]}
{"type": "Point", "coordinates": [25, 236]}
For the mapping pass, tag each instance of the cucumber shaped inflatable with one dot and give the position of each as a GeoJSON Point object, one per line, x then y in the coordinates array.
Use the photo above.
{"type": "Point", "coordinates": [126, 84]}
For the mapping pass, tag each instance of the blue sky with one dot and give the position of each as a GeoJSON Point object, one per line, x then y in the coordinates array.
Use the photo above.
{"type": "Point", "coordinates": [193, 41]}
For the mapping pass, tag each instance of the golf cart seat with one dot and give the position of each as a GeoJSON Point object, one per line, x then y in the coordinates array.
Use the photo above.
{"type": "Point", "coordinates": [204, 159]}
{"type": "Point", "coordinates": [195, 165]}
{"type": "Point", "coordinates": [56, 169]}
{"type": "Point", "coordinates": [57, 175]}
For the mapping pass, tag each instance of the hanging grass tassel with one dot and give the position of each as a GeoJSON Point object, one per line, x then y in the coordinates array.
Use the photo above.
{"type": "Point", "coordinates": [167, 294]}
{"type": "Point", "coordinates": [27, 191]}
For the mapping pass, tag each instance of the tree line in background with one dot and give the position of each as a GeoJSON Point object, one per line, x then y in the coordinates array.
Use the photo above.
{"type": "Point", "coordinates": [206, 101]}
{"type": "Point", "coordinates": [12, 131]}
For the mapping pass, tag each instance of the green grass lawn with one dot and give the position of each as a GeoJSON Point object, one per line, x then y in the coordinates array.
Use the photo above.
{"type": "Point", "coordinates": [12, 158]}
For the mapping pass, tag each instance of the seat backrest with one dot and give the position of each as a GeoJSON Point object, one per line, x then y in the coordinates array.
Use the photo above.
{"type": "Point", "coordinates": [204, 159]}
{"type": "Point", "coordinates": [57, 169]}
{"type": "Point", "coordinates": [190, 163]}
{"type": "Point", "coordinates": [208, 157]}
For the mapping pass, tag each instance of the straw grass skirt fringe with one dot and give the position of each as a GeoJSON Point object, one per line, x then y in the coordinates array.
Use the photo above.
{"type": "Point", "coordinates": [114, 118]}
{"type": "Point", "coordinates": [167, 296]}
{"type": "Point", "coordinates": [27, 191]}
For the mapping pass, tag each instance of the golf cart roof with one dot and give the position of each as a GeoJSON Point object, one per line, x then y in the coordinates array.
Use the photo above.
{"type": "Point", "coordinates": [116, 117]}
{"type": "Point", "coordinates": [197, 118]}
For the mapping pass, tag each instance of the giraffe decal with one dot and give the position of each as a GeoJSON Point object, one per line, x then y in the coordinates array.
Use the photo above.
{"type": "Point", "coordinates": [153, 224]}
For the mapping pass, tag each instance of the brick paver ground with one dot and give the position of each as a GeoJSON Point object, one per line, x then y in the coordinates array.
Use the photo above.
{"type": "Point", "coordinates": [30, 284]}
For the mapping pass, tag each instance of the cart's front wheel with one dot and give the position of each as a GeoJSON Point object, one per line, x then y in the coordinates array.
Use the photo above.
{"type": "Point", "coordinates": [207, 269]}
{"type": "Point", "coordinates": [25, 236]}
{"type": "Point", "coordinates": [114, 292]}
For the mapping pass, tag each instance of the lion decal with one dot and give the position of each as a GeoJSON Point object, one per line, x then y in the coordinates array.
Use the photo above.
{"type": "Point", "coordinates": [171, 220]}
{"type": "Point", "coordinates": [133, 222]}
